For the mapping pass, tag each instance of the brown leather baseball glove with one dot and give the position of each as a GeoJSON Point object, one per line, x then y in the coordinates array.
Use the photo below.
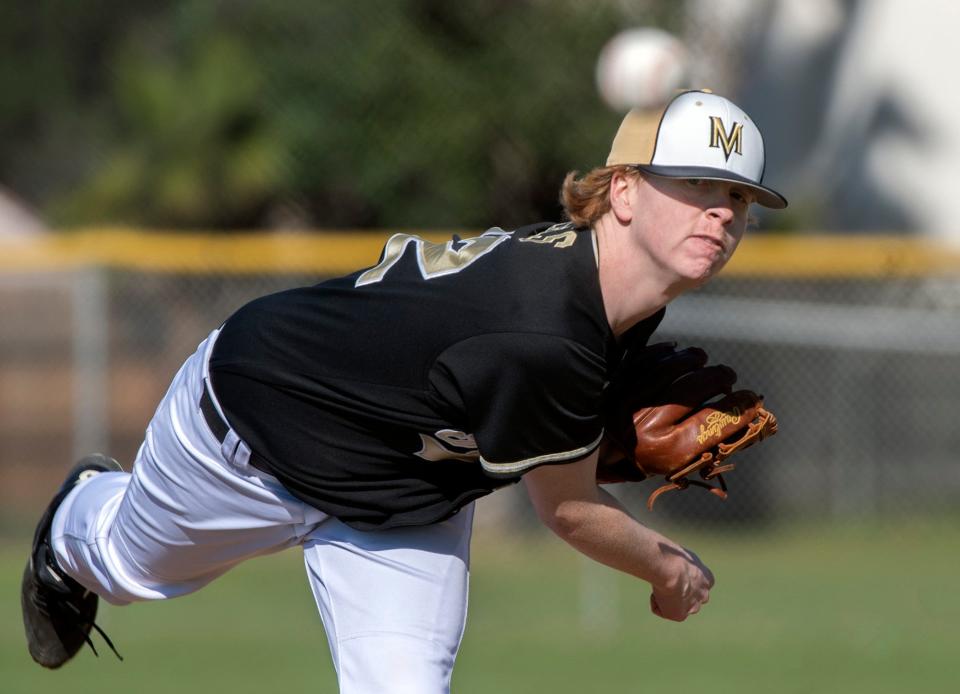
{"type": "Point", "coordinates": [685, 419]}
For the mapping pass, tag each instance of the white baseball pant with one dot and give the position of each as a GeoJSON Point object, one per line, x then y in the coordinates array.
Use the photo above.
{"type": "Point", "coordinates": [393, 603]}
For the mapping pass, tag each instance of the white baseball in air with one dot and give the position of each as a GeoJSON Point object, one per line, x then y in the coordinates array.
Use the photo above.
{"type": "Point", "coordinates": [641, 68]}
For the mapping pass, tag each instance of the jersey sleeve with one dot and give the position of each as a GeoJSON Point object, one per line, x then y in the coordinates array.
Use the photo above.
{"type": "Point", "coordinates": [527, 399]}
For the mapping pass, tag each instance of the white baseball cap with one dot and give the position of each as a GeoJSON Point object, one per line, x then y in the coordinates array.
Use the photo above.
{"type": "Point", "coordinates": [698, 134]}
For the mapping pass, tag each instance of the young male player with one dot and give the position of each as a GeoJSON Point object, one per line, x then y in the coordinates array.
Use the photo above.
{"type": "Point", "coordinates": [361, 417]}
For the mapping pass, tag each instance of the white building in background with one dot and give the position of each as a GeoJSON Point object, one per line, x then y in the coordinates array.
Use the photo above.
{"type": "Point", "coordinates": [16, 219]}
{"type": "Point", "coordinates": [857, 99]}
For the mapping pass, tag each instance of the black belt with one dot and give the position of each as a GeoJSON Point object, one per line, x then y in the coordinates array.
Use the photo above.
{"type": "Point", "coordinates": [214, 420]}
{"type": "Point", "coordinates": [220, 428]}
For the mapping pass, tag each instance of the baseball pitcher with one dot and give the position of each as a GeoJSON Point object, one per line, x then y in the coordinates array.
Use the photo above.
{"type": "Point", "coordinates": [360, 418]}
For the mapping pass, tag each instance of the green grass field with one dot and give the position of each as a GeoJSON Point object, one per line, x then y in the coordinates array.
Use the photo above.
{"type": "Point", "coordinates": [818, 609]}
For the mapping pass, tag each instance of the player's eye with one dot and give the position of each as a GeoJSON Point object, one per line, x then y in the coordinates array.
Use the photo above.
{"type": "Point", "coordinates": [695, 182]}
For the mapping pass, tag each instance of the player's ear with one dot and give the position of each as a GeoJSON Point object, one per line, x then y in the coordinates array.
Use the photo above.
{"type": "Point", "coordinates": [621, 188]}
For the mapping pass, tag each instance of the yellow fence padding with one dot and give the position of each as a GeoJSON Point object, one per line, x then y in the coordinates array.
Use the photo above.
{"type": "Point", "coordinates": [810, 256]}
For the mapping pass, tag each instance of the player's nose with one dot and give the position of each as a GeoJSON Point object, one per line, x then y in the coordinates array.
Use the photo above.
{"type": "Point", "coordinates": [720, 208]}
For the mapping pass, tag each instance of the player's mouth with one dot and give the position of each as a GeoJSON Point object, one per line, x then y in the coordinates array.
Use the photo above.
{"type": "Point", "coordinates": [711, 242]}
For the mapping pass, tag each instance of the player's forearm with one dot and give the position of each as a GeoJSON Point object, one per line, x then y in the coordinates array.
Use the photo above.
{"type": "Point", "coordinates": [603, 530]}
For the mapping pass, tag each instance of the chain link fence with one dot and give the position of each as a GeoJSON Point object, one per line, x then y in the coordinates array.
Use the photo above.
{"type": "Point", "coordinates": [862, 372]}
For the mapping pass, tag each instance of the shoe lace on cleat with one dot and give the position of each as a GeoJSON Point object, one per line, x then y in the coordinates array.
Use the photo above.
{"type": "Point", "coordinates": [103, 635]}
{"type": "Point", "coordinates": [63, 591]}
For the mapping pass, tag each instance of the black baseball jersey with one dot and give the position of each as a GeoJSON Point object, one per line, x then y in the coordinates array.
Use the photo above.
{"type": "Point", "coordinates": [395, 395]}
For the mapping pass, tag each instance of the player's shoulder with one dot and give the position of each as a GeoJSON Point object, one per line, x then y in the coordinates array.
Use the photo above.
{"type": "Point", "coordinates": [559, 248]}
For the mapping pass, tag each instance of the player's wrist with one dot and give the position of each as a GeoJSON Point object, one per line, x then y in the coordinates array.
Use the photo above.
{"type": "Point", "coordinates": [669, 572]}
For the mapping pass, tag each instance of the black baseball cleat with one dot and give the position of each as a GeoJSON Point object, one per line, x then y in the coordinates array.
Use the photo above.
{"type": "Point", "coordinates": [58, 612]}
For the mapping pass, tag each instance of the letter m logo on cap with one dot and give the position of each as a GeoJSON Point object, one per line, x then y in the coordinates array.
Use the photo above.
{"type": "Point", "coordinates": [721, 139]}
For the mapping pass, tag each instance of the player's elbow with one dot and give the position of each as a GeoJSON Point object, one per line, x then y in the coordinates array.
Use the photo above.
{"type": "Point", "coordinates": [563, 495]}
{"type": "Point", "coordinates": [565, 519]}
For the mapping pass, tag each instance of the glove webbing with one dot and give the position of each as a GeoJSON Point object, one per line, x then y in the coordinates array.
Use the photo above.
{"type": "Point", "coordinates": [683, 483]}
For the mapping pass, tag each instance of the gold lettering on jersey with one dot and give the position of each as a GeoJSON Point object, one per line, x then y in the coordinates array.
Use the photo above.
{"type": "Point", "coordinates": [441, 446]}
{"type": "Point", "coordinates": [392, 251]}
{"type": "Point", "coordinates": [434, 259]}
{"type": "Point", "coordinates": [437, 259]}
{"type": "Point", "coordinates": [721, 139]}
{"type": "Point", "coordinates": [563, 239]}
{"type": "Point", "coordinates": [716, 421]}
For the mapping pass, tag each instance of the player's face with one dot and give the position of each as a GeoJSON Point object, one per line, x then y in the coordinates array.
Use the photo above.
{"type": "Point", "coordinates": [691, 226]}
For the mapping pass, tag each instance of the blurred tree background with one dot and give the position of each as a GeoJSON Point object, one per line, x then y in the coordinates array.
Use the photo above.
{"type": "Point", "coordinates": [304, 114]}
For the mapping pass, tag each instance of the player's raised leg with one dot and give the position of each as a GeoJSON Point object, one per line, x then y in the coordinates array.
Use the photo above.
{"type": "Point", "coordinates": [186, 514]}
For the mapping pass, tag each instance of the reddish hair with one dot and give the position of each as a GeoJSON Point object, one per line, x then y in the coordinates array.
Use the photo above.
{"type": "Point", "coordinates": [587, 198]}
